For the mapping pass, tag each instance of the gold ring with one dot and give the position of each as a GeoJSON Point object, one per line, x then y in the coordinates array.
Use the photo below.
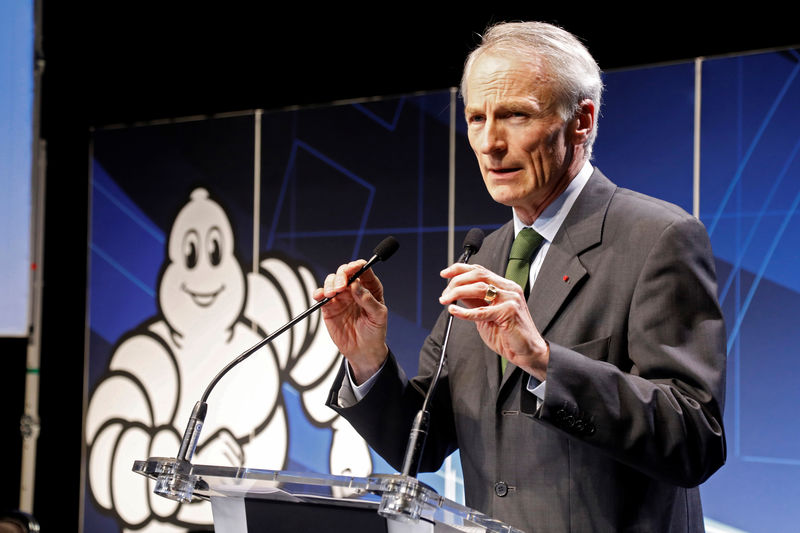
{"type": "Point", "coordinates": [491, 294]}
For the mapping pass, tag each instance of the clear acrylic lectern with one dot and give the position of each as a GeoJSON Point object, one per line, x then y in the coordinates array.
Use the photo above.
{"type": "Point", "coordinates": [249, 499]}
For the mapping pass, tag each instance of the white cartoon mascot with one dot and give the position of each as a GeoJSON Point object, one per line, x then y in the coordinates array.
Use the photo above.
{"type": "Point", "coordinates": [209, 313]}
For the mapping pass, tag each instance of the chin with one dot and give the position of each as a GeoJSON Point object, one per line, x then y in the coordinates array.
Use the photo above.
{"type": "Point", "coordinates": [505, 197]}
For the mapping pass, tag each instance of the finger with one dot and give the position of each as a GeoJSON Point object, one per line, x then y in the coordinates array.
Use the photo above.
{"type": "Point", "coordinates": [475, 275]}
{"type": "Point", "coordinates": [477, 314]}
{"type": "Point", "coordinates": [336, 282]}
{"type": "Point", "coordinates": [485, 313]}
{"type": "Point", "coordinates": [475, 285]}
{"type": "Point", "coordinates": [461, 274]}
{"type": "Point", "coordinates": [367, 278]}
{"type": "Point", "coordinates": [371, 282]}
{"type": "Point", "coordinates": [328, 287]}
{"type": "Point", "coordinates": [318, 294]}
{"type": "Point", "coordinates": [457, 268]}
{"type": "Point", "coordinates": [367, 300]}
{"type": "Point", "coordinates": [346, 271]}
{"type": "Point", "coordinates": [475, 294]}
{"type": "Point", "coordinates": [340, 278]}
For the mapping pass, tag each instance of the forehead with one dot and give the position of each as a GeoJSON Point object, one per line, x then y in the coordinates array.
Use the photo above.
{"type": "Point", "coordinates": [502, 78]}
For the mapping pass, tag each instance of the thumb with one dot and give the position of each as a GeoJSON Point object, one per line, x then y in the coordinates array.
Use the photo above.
{"type": "Point", "coordinates": [365, 299]}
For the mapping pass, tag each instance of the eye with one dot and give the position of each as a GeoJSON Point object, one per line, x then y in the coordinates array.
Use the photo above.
{"type": "Point", "coordinates": [511, 115]}
{"type": "Point", "coordinates": [191, 242]}
{"type": "Point", "coordinates": [214, 246]}
{"type": "Point", "coordinates": [476, 119]}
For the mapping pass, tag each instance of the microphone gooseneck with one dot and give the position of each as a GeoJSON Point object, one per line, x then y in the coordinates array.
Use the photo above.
{"type": "Point", "coordinates": [385, 249]}
{"type": "Point", "coordinates": [419, 429]}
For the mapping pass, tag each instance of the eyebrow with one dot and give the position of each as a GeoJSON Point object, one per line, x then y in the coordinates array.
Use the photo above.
{"type": "Point", "coordinates": [509, 105]}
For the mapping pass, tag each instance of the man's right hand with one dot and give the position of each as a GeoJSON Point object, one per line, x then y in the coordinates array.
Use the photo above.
{"type": "Point", "coordinates": [356, 318]}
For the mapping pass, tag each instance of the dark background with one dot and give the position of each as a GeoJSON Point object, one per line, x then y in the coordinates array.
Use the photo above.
{"type": "Point", "coordinates": [140, 61]}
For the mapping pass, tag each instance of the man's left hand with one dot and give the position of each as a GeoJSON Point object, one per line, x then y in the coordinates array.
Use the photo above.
{"type": "Point", "coordinates": [504, 324]}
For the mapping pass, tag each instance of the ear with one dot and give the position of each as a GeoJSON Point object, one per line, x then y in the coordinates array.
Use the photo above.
{"type": "Point", "coordinates": [584, 121]}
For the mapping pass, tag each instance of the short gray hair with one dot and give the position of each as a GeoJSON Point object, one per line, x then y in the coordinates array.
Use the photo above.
{"type": "Point", "coordinates": [574, 71]}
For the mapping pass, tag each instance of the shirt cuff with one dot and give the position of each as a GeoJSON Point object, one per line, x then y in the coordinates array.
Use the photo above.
{"type": "Point", "coordinates": [537, 388]}
{"type": "Point", "coordinates": [359, 391]}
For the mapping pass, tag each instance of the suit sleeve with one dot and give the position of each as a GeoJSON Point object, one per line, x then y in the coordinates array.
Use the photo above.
{"type": "Point", "coordinates": [663, 414]}
{"type": "Point", "coordinates": [385, 415]}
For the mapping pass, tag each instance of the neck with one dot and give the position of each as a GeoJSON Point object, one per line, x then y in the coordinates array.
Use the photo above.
{"type": "Point", "coordinates": [529, 213]}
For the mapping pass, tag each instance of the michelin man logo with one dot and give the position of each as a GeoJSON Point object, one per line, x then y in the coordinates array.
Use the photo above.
{"type": "Point", "coordinates": [210, 311]}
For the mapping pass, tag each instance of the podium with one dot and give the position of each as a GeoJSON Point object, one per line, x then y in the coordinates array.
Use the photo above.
{"type": "Point", "coordinates": [250, 499]}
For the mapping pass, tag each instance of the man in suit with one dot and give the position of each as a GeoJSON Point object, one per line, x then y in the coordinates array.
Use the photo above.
{"type": "Point", "coordinates": [586, 395]}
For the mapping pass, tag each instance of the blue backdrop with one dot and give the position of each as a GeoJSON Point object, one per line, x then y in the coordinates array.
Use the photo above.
{"type": "Point", "coordinates": [335, 180]}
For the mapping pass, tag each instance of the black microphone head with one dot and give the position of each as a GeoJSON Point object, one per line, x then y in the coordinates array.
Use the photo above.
{"type": "Point", "coordinates": [386, 248]}
{"type": "Point", "coordinates": [474, 240]}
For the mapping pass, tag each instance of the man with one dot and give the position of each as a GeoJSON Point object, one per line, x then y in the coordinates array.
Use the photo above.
{"type": "Point", "coordinates": [609, 412]}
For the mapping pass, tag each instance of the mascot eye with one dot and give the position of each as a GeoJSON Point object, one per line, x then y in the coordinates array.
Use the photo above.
{"type": "Point", "coordinates": [214, 246]}
{"type": "Point", "coordinates": [190, 242]}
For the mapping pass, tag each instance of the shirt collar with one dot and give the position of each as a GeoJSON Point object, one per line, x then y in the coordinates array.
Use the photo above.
{"type": "Point", "coordinates": [549, 222]}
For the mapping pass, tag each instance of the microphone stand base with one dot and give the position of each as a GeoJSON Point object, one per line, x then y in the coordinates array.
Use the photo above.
{"type": "Point", "coordinates": [403, 499]}
{"type": "Point", "coordinates": [175, 481]}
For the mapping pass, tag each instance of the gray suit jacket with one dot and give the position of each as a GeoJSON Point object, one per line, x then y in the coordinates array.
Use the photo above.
{"type": "Point", "coordinates": [632, 419]}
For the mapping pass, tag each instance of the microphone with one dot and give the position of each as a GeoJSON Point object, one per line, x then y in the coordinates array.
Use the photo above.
{"type": "Point", "coordinates": [472, 243]}
{"type": "Point", "coordinates": [419, 429]}
{"type": "Point", "coordinates": [385, 249]}
{"type": "Point", "coordinates": [174, 484]}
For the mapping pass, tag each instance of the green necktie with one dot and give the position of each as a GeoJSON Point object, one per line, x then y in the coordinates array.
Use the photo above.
{"type": "Point", "coordinates": [519, 265]}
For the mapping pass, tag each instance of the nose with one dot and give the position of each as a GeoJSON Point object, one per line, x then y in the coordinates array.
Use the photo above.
{"type": "Point", "coordinates": [493, 140]}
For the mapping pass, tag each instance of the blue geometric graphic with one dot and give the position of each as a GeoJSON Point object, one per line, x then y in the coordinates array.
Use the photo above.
{"type": "Point", "coordinates": [336, 180]}
{"type": "Point", "coordinates": [750, 194]}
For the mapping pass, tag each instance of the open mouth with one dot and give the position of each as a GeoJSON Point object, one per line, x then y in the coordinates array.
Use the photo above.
{"type": "Point", "coordinates": [203, 299]}
{"type": "Point", "coordinates": [502, 171]}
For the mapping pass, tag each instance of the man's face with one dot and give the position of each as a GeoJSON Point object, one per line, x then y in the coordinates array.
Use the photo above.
{"type": "Point", "coordinates": [519, 138]}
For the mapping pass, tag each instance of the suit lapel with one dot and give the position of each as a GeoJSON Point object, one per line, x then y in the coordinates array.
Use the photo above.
{"type": "Point", "coordinates": [562, 272]}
